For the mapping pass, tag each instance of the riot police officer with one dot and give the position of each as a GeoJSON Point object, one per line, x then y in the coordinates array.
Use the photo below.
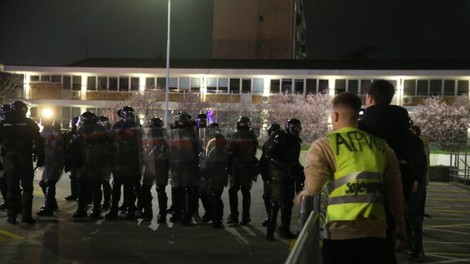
{"type": "Point", "coordinates": [18, 135]}
{"type": "Point", "coordinates": [90, 150]}
{"type": "Point", "coordinates": [3, 183]}
{"type": "Point", "coordinates": [127, 169]}
{"type": "Point", "coordinates": [155, 148]}
{"type": "Point", "coordinates": [215, 172]}
{"type": "Point", "coordinates": [242, 146]}
{"type": "Point", "coordinates": [107, 189]}
{"type": "Point", "coordinates": [184, 168]}
{"type": "Point", "coordinates": [68, 136]}
{"type": "Point", "coordinates": [54, 164]}
{"type": "Point", "coordinates": [204, 195]}
{"type": "Point", "coordinates": [266, 169]}
{"type": "Point", "coordinates": [284, 156]}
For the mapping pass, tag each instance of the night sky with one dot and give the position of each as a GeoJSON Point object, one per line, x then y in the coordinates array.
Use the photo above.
{"type": "Point", "coordinates": [59, 32]}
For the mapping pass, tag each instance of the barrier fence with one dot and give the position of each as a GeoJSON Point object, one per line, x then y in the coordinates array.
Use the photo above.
{"type": "Point", "coordinates": [307, 246]}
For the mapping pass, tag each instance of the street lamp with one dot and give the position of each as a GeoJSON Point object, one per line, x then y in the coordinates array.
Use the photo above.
{"type": "Point", "coordinates": [167, 64]}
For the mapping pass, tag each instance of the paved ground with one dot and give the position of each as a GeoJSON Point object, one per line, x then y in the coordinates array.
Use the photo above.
{"type": "Point", "coordinates": [60, 239]}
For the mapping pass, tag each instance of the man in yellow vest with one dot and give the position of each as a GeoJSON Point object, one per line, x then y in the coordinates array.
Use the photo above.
{"type": "Point", "coordinates": [361, 173]}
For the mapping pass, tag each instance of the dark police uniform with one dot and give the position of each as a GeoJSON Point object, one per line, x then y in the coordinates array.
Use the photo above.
{"type": "Point", "coordinates": [19, 135]}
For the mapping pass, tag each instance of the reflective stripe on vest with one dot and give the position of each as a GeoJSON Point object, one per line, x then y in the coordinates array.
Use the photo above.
{"type": "Point", "coordinates": [358, 185]}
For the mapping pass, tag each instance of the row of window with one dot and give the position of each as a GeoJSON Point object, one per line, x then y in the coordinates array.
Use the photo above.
{"type": "Point", "coordinates": [411, 87]}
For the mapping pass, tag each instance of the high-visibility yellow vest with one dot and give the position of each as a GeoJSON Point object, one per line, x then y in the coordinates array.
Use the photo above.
{"type": "Point", "coordinates": [357, 189]}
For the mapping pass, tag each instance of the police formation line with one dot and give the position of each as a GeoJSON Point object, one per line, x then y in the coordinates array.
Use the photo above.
{"type": "Point", "coordinates": [108, 162]}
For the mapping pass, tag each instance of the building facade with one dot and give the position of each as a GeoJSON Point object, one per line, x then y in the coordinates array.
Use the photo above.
{"type": "Point", "coordinates": [99, 85]}
{"type": "Point", "coordinates": [258, 29]}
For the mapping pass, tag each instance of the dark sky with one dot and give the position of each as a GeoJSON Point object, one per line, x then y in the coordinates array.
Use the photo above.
{"type": "Point", "coordinates": [58, 32]}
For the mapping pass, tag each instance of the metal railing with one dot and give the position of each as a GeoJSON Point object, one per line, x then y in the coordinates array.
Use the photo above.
{"type": "Point", "coordinates": [459, 168]}
{"type": "Point", "coordinates": [307, 246]}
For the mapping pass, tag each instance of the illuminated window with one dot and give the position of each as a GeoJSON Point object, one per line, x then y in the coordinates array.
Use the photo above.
{"type": "Point", "coordinates": [134, 84]}
{"type": "Point", "coordinates": [123, 84]}
{"type": "Point", "coordinates": [67, 83]}
{"type": "Point", "coordinates": [211, 85]}
{"type": "Point", "coordinates": [258, 86]}
{"type": "Point", "coordinates": [76, 83]}
{"type": "Point", "coordinates": [246, 85]}
{"type": "Point", "coordinates": [462, 87]}
{"type": "Point", "coordinates": [275, 86]}
{"type": "Point", "coordinates": [223, 85]}
{"type": "Point", "coordinates": [234, 85]}
{"type": "Point", "coordinates": [311, 87]}
{"type": "Point", "coordinates": [449, 87]}
{"type": "Point", "coordinates": [435, 87]}
{"type": "Point", "coordinates": [91, 83]}
{"type": "Point", "coordinates": [102, 83]}
{"type": "Point", "coordinates": [299, 86]}
{"type": "Point", "coordinates": [409, 88]}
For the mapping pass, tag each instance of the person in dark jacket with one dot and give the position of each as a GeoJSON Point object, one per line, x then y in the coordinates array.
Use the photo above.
{"type": "Point", "coordinates": [90, 151]}
{"type": "Point", "coordinates": [19, 135]}
{"type": "Point", "coordinates": [392, 123]}
{"type": "Point", "coordinates": [266, 168]}
{"type": "Point", "coordinates": [3, 183]}
{"type": "Point", "coordinates": [127, 163]}
{"type": "Point", "coordinates": [284, 156]}
{"type": "Point", "coordinates": [155, 158]}
{"type": "Point", "coordinates": [54, 164]}
{"type": "Point", "coordinates": [242, 146]}
{"type": "Point", "coordinates": [68, 136]}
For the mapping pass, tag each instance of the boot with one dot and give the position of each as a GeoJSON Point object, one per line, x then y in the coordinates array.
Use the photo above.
{"type": "Point", "coordinates": [208, 208]}
{"type": "Point", "coordinates": [233, 200]}
{"type": "Point", "coordinates": [177, 198]}
{"type": "Point", "coordinates": [286, 214]}
{"type": "Point", "coordinates": [162, 203]}
{"type": "Point", "coordinates": [27, 204]}
{"type": "Point", "coordinates": [188, 206]}
{"type": "Point", "coordinates": [272, 217]}
{"type": "Point", "coordinates": [267, 205]}
{"type": "Point", "coordinates": [246, 203]}
{"type": "Point", "coordinates": [74, 189]}
{"type": "Point", "coordinates": [46, 210]}
{"type": "Point", "coordinates": [217, 210]}
{"type": "Point", "coordinates": [12, 213]}
{"type": "Point", "coordinates": [80, 213]}
{"type": "Point", "coordinates": [107, 191]}
{"type": "Point", "coordinates": [96, 213]}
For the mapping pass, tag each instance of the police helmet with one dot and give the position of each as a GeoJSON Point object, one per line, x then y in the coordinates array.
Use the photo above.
{"type": "Point", "coordinates": [201, 120]}
{"type": "Point", "coordinates": [57, 125]}
{"type": "Point", "coordinates": [243, 123]}
{"type": "Point", "coordinates": [155, 122]}
{"type": "Point", "coordinates": [87, 118]}
{"type": "Point", "coordinates": [127, 113]}
{"type": "Point", "coordinates": [19, 107]}
{"type": "Point", "coordinates": [182, 120]}
{"type": "Point", "coordinates": [293, 126]}
{"type": "Point", "coordinates": [274, 127]}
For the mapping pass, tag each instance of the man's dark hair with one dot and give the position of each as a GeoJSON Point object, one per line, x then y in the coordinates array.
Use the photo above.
{"type": "Point", "coordinates": [348, 101]}
{"type": "Point", "coordinates": [382, 91]}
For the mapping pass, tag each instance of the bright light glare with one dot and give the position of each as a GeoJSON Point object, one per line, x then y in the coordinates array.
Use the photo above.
{"type": "Point", "coordinates": [47, 113]}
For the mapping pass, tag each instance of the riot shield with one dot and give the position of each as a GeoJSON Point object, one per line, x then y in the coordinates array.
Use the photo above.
{"type": "Point", "coordinates": [96, 148]}
{"type": "Point", "coordinates": [128, 149]}
{"type": "Point", "coordinates": [183, 157]}
{"type": "Point", "coordinates": [215, 158]}
{"type": "Point", "coordinates": [155, 155]}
